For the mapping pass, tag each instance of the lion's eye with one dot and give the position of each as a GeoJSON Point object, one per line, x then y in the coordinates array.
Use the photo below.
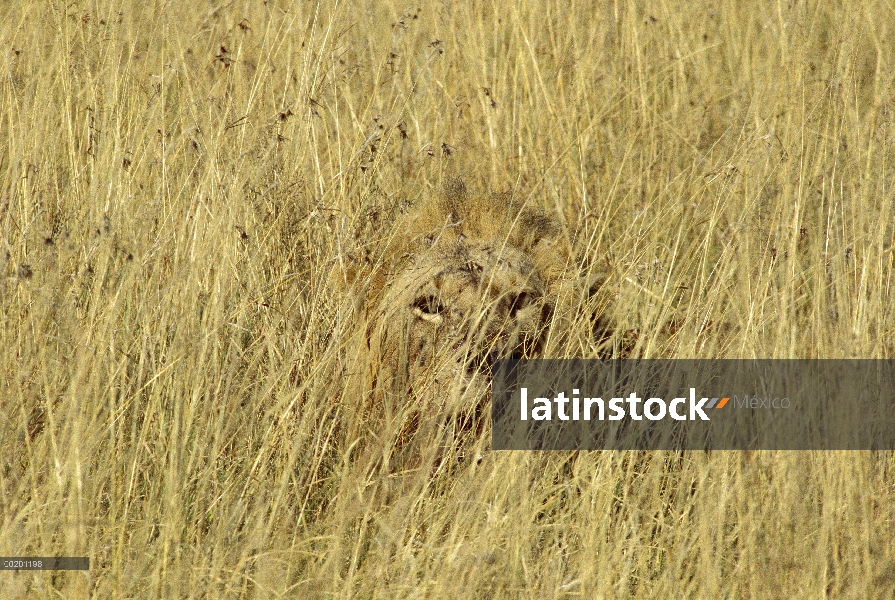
{"type": "Point", "coordinates": [428, 308]}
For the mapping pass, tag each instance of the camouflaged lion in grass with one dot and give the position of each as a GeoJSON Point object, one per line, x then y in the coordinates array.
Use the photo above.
{"type": "Point", "coordinates": [459, 281]}
{"type": "Point", "coordinates": [463, 280]}
{"type": "Point", "coordinates": [474, 285]}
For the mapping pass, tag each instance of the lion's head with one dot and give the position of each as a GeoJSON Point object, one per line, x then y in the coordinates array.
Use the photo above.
{"type": "Point", "coordinates": [459, 281]}
{"type": "Point", "coordinates": [469, 279]}
{"type": "Point", "coordinates": [451, 285]}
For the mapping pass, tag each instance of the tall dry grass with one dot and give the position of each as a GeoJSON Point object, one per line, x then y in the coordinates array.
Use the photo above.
{"type": "Point", "coordinates": [182, 398]}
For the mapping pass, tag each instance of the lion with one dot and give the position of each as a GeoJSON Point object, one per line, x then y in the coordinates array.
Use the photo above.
{"type": "Point", "coordinates": [463, 280]}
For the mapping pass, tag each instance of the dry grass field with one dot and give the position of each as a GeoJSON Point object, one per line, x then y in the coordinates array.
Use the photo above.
{"type": "Point", "coordinates": [182, 397]}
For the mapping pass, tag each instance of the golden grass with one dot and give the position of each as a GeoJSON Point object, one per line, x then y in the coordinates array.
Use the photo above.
{"type": "Point", "coordinates": [181, 398]}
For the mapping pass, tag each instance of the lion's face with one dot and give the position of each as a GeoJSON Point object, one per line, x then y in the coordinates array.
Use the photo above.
{"type": "Point", "coordinates": [457, 282]}
{"type": "Point", "coordinates": [453, 284]}
{"type": "Point", "coordinates": [457, 306]}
